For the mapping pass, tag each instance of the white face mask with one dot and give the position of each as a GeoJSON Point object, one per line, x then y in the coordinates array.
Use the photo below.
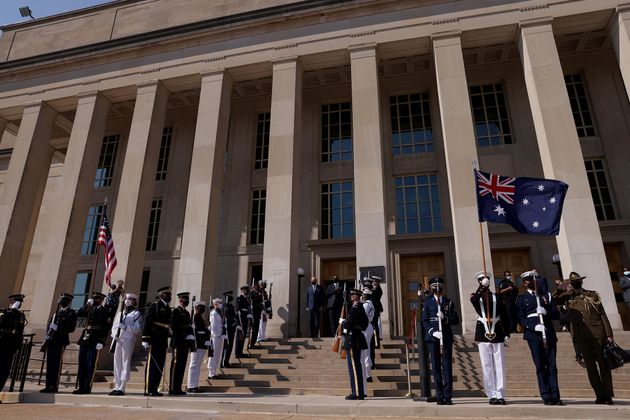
{"type": "Point", "coordinates": [626, 273]}
{"type": "Point", "coordinates": [16, 305]}
{"type": "Point", "coordinates": [128, 302]}
{"type": "Point", "coordinates": [485, 282]}
{"type": "Point", "coordinates": [508, 277]}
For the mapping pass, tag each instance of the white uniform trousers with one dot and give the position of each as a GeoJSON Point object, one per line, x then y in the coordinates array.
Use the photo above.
{"type": "Point", "coordinates": [366, 361]}
{"type": "Point", "coordinates": [194, 369]}
{"type": "Point", "coordinates": [262, 330]}
{"type": "Point", "coordinates": [122, 363]}
{"type": "Point", "coordinates": [491, 355]}
{"type": "Point", "coordinates": [215, 361]}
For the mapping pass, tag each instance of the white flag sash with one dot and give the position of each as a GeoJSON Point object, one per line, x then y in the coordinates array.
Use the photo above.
{"type": "Point", "coordinates": [490, 334]}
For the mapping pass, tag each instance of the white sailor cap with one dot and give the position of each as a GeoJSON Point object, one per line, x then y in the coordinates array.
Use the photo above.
{"type": "Point", "coordinates": [367, 291]}
{"type": "Point", "coordinates": [217, 300]}
{"type": "Point", "coordinates": [479, 275]}
{"type": "Point", "coordinates": [131, 296]}
{"type": "Point", "coordinates": [200, 303]}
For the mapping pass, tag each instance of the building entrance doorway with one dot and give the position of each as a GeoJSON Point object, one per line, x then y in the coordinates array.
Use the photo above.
{"type": "Point", "coordinates": [516, 261]}
{"type": "Point", "coordinates": [415, 272]}
{"type": "Point", "coordinates": [613, 257]}
{"type": "Point", "coordinates": [346, 272]}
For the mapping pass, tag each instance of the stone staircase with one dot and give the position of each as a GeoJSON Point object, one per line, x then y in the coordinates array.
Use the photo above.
{"type": "Point", "coordinates": [305, 366]}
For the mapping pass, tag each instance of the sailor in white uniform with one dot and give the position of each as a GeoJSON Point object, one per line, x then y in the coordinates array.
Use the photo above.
{"type": "Point", "coordinates": [366, 361]}
{"type": "Point", "coordinates": [216, 337]}
{"type": "Point", "coordinates": [126, 329]}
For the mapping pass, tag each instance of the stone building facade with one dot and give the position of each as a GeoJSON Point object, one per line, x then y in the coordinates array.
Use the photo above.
{"type": "Point", "coordinates": [237, 140]}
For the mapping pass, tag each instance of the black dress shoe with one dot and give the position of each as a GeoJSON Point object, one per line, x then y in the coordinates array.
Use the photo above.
{"type": "Point", "coordinates": [369, 379]}
{"type": "Point", "coordinates": [501, 401]}
{"type": "Point", "coordinates": [448, 401]}
{"type": "Point", "coordinates": [153, 394]}
{"type": "Point", "coordinates": [548, 402]}
{"type": "Point", "coordinates": [440, 401]}
{"type": "Point", "coordinates": [599, 400]}
{"type": "Point", "coordinates": [609, 401]}
{"type": "Point", "coordinates": [362, 397]}
{"type": "Point", "coordinates": [114, 392]}
{"type": "Point", "coordinates": [493, 401]}
{"type": "Point", "coordinates": [177, 392]}
{"type": "Point", "coordinates": [351, 397]}
{"type": "Point", "coordinates": [48, 391]}
{"type": "Point", "coordinates": [558, 402]}
{"type": "Point", "coordinates": [81, 391]}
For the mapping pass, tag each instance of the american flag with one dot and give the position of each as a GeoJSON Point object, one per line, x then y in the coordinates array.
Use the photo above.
{"type": "Point", "coordinates": [105, 239]}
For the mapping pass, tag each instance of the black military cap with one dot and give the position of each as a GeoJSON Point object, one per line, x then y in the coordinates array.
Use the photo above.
{"type": "Point", "coordinates": [17, 297]}
{"type": "Point", "coordinates": [436, 280]}
{"type": "Point", "coordinates": [229, 292]}
{"type": "Point", "coordinates": [98, 295]}
{"type": "Point", "coordinates": [356, 292]}
{"type": "Point", "coordinates": [183, 295]}
{"type": "Point", "coordinates": [165, 289]}
{"type": "Point", "coordinates": [66, 295]}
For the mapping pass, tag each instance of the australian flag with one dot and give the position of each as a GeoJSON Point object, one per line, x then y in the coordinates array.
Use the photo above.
{"type": "Point", "coordinates": [529, 205]}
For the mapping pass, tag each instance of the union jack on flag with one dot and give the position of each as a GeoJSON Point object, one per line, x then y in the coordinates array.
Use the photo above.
{"type": "Point", "coordinates": [499, 187]}
{"type": "Point", "coordinates": [107, 242]}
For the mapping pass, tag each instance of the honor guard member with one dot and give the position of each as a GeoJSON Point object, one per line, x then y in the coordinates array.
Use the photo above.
{"type": "Point", "coordinates": [366, 361]}
{"type": "Point", "coordinates": [202, 341]}
{"type": "Point", "coordinates": [217, 337]}
{"type": "Point", "coordinates": [591, 330]}
{"type": "Point", "coordinates": [231, 323]}
{"type": "Point", "coordinates": [262, 328]}
{"type": "Point", "coordinates": [125, 331]}
{"type": "Point", "coordinates": [92, 340]}
{"type": "Point", "coordinates": [157, 324]}
{"type": "Point", "coordinates": [12, 323]}
{"type": "Point", "coordinates": [354, 343]}
{"type": "Point", "coordinates": [182, 342]}
{"type": "Point", "coordinates": [438, 316]}
{"type": "Point", "coordinates": [540, 336]}
{"type": "Point", "coordinates": [257, 306]}
{"type": "Point", "coordinates": [242, 311]}
{"type": "Point", "coordinates": [377, 294]}
{"type": "Point", "coordinates": [491, 332]}
{"type": "Point", "coordinates": [62, 323]}
{"type": "Point", "coordinates": [113, 297]}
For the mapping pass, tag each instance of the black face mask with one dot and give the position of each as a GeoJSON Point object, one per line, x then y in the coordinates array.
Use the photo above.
{"type": "Point", "coordinates": [576, 284]}
{"type": "Point", "coordinates": [201, 310]}
{"type": "Point", "coordinates": [531, 286]}
{"type": "Point", "coordinates": [166, 298]}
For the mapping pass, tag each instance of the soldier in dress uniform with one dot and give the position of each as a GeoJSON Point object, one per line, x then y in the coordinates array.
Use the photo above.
{"type": "Point", "coordinates": [591, 330]}
{"type": "Point", "coordinates": [541, 337]}
{"type": "Point", "coordinates": [257, 307]}
{"type": "Point", "coordinates": [217, 337]}
{"type": "Point", "coordinates": [62, 323]}
{"type": "Point", "coordinates": [377, 337]}
{"type": "Point", "coordinates": [92, 340]}
{"type": "Point", "coordinates": [355, 343]}
{"type": "Point", "coordinates": [157, 324]}
{"type": "Point", "coordinates": [231, 324]}
{"type": "Point", "coordinates": [182, 342]}
{"type": "Point", "coordinates": [202, 341]}
{"type": "Point", "coordinates": [491, 333]}
{"type": "Point", "coordinates": [438, 316]}
{"type": "Point", "coordinates": [366, 362]}
{"type": "Point", "coordinates": [12, 323]}
{"type": "Point", "coordinates": [113, 297]}
{"type": "Point", "coordinates": [264, 315]}
{"type": "Point", "coordinates": [244, 317]}
{"type": "Point", "coordinates": [125, 331]}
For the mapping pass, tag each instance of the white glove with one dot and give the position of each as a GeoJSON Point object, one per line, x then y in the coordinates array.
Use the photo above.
{"type": "Point", "coordinates": [506, 339]}
{"type": "Point", "coordinates": [539, 327]}
{"type": "Point", "coordinates": [438, 335]}
{"type": "Point", "coordinates": [53, 326]}
{"type": "Point", "coordinates": [145, 345]}
{"type": "Point", "coordinates": [250, 316]}
{"type": "Point", "coordinates": [90, 302]}
{"type": "Point", "coordinates": [540, 310]}
{"type": "Point", "coordinates": [341, 320]}
{"type": "Point", "coordinates": [99, 346]}
{"type": "Point", "coordinates": [190, 337]}
{"type": "Point", "coordinates": [440, 315]}
{"type": "Point", "coordinates": [207, 343]}
{"type": "Point", "coordinates": [122, 327]}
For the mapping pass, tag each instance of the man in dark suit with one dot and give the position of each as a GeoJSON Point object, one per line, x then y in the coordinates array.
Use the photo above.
{"type": "Point", "coordinates": [62, 323]}
{"type": "Point", "coordinates": [314, 300]}
{"type": "Point", "coordinates": [540, 336]}
{"type": "Point", "coordinates": [157, 323]}
{"type": "Point", "coordinates": [334, 303]}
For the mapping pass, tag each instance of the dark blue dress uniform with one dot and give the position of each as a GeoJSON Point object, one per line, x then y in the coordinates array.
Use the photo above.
{"type": "Point", "coordinates": [182, 341]}
{"type": "Point", "coordinates": [56, 341]}
{"type": "Point", "coordinates": [95, 333]}
{"type": "Point", "coordinates": [441, 365]}
{"type": "Point", "coordinates": [354, 341]}
{"type": "Point", "coordinates": [544, 355]}
{"type": "Point", "coordinates": [12, 323]}
{"type": "Point", "coordinates": [242, 311]}
{"type": "Point", "coordinates": [256, 300]}
{"type": "Point", "coordinates": [157, 323]}
{"type": "Point", "coordinates": [231, 322]}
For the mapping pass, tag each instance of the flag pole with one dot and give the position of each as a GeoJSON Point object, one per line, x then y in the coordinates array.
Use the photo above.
{"type": "Point", "coordinates": [475, 166]}
{"type": "Point", "coordinates": [98, 249]}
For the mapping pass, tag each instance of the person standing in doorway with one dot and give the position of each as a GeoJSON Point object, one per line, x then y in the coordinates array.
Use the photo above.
{"type": "Point", "coordinates": [334, 303]}
{"type": "Point", "coordinates": [314, 301]}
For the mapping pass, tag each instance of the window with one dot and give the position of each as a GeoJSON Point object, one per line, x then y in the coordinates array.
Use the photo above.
{"type": "Point", "coordinates": [262, 140]}
{"type": "Point", "coordinates": [490, 116]}
{"type": "Point", "coordinates": [256, 272]}
{"type": "Point", "coordinates": [337, 211]}
{"type": "Point", "coordinates": [602, 197]}
{"type": "Point", "coordinates": [81, 289]}
{"type": "Point", "coordinates": [165, 148]}
{"type": "Point", "coordinates": [257, 232]}
{"type": "Point", "coordinates": [418, 204]}
{"type": "Point", "coordinates": [411, 124]}
{"type": "Point", "coordinates": [579, 105]}
{"type": "Point", "coordinates": [106, 161]}
{"type": "Point", "coordinates": [154, 224]}
{"type": "Point", "coordinates": [144, 290]}
{"type": "Point", "coordinates": [336, 132]}
{"type": "Point", "coordinates": [90, 233]}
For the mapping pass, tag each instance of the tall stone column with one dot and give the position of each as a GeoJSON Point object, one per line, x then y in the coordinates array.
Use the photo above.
{"type": "Point", "coordinates": [620, 35]}
{"type": "Point", "coordinates": [281, 248]}
{"type": "Point", "coordinates": [63, 240]}
{"type": "Point", "coordinates": [369, 196]}
{"type": "Point", "coordinates": [460, 150]}
{"type": "Point", "coordinates": [3, 124]}
{"type": "Point", "coordinates": [197, 264]}
{"type": "Point", "coordinates": [579, 242]}
{"type": "Point", "coordinates": [133, 204]}
{"type": "Point", "coordinates": [23, 192]}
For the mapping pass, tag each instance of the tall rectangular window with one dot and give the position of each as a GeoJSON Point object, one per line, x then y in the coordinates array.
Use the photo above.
{"type": "Point", "coordinates": [90, 233]}
{"type": "Point", "coordinates": [579, 105]}
{"type": "Point", "coordinates": [165, 149]}
{"type": "Point", "coordinates": [256, 271]}
{"type": "Point", "coordinates": [411, 124]}
{"type": "Point", "coordinates": [418, 204]}
{"type": "Point", "coordinates": [490, 116]}
{"type": "Point", "coordinates": [154, 224]}
{"type": "Point", "coordinates": [106, 161]}
{"type": "Point", "coordinates": [143, 296]}
{"type": "Point", "coordinates": [337, 211]}
{"type": "Point", "coordinates": [262, 140]}
{"type": "Point", "coordinates": [81, 289]}
{"type": "Point", "coordinates": [257, 227]}
{"type": "Point", "coordinates": [336, 132]}
{"type": "Point", "coordinates": [602, 197]}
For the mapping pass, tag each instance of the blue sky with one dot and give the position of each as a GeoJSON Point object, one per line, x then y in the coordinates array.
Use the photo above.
{"type": "Point", "coordinates": [9, 9]}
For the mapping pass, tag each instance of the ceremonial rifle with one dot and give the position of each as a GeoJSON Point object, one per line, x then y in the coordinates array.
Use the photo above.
{"type": "Point", "coordinates": [541, 320]}
{"type": "Point", "coordinates": [270, 313]}
{"type": "Point", "coordinates": [121, 308]}
{"type": "Point", "coordinates": [440, 323]}
{"type": "Point", "coordinates": [250, 325]}
{"type": "Point", "coordinates": [49, 335]}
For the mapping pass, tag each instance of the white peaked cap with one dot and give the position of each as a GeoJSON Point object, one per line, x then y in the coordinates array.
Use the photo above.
{"type": "Point", "coordinates": [479, 274]}
{"type": "Point", "coordinates": [199, 303]}
{"type": "Point", "coordinates": [131, 296]}
{"type": "Point", "coordinates": [217, 300]}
